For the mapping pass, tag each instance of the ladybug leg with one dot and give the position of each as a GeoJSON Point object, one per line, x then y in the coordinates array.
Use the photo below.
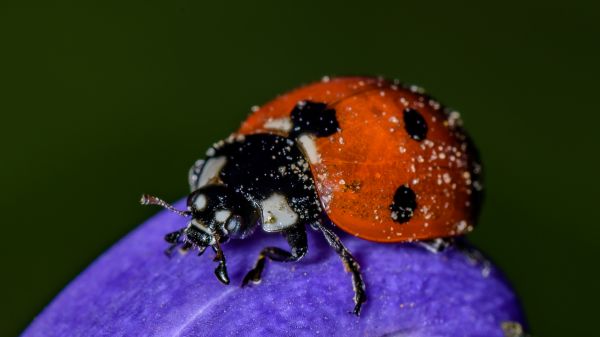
{"type": "Point", "coordinates": [437, 245]}
{"type": "Point", "coordinates": [474, 256]}
{"type": "Point", "coordinates": [221, 270]}
{"type": "Point", "coordinates": [174, 238]}
{"type": "Point", "coordinates": [350, 265]}
{"type": "Point", "coordinates": [296, 238]}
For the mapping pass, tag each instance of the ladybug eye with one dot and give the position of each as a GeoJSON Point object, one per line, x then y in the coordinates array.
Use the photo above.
{"type": "Point", "coordinates": [234, 223]}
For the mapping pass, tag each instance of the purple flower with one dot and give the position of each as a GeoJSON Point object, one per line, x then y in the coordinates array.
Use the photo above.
{"type": "Point", "coordinates": [135, 290]}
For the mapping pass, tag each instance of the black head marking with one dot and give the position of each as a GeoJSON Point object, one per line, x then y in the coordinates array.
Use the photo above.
{"type": "Point", "coordinates": [415, 124]}
{"type": "Point", "coordinates": [312, 117]}
{"type": "Point", "coordinates": [404, 204]}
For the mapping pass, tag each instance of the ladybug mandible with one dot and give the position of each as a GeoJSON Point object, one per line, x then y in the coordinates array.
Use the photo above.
{"type": "Point", "coordinates": [380, 160]}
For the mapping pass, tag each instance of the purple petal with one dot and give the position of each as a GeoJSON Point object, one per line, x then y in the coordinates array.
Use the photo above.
{"type": "Point", "coordinates": [135, 290]}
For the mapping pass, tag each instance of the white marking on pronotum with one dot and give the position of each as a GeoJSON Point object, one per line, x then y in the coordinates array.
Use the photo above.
{"type": "Point", "coordinates": [222, 215]}
{"type": "Point", "coordinates": [200, 202]}
{"type": "Point", "coordinates": [211, 170]}
{"type": "Point", "coordinates": [310, 148]}
{"type": "Point", "coordinates": [277, 213]}
{"type": "Point", "coordinates": [280, 124]}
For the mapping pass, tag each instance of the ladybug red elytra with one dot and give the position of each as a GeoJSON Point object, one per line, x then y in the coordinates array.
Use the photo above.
{"type": "Point", "coordinates": [378, 159]}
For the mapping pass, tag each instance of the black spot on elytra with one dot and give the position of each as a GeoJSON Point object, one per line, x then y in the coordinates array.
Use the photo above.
{"type": "Point", "coordinates": [404, 204]}
{"type": "Point", "coordinates": [313, 117]}
{"type": "Point", "coordinates": [415, 124]}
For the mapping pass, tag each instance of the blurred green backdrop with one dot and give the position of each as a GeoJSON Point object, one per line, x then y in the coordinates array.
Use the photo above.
{"type": "Point", "coordinates": [101, 101]}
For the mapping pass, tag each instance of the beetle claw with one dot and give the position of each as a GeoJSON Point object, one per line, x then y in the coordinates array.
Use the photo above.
{"type": "Point", "coordinates": [221, 273]}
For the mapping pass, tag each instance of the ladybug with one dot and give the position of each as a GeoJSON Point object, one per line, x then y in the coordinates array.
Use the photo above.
{"type": "Point", "coordinates": [375, 158]}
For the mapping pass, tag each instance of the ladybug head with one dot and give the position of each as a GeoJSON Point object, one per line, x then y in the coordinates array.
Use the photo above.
{"type": "Point", "coordinates": [219, 210]}
{"type": "Point", "coordinates": [216, 214]}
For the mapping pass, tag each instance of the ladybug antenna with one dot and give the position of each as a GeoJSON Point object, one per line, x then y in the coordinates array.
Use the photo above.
{"type": "Point", "coordinates": [152, 200]}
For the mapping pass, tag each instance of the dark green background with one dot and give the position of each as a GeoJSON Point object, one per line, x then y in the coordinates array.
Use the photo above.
{"type": "Point", "coordinates": [102, 101]}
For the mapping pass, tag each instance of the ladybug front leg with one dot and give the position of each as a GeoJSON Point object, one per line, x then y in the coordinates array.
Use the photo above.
{"type": "Point", "coordinates": [441, 245]}
{"type": "Point", "coordinates": [350, 265]}
{"type": "Point", "coordinates": [296, 238]}
{"type": "Point", "coordinates": [174, 239]}
{"type": "Point", "coordinates": [221, 270]}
